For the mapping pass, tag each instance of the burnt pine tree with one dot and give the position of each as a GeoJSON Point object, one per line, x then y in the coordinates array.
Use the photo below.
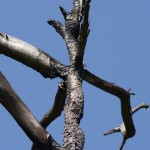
{"type": "Point", "coordinates": [69, 97]}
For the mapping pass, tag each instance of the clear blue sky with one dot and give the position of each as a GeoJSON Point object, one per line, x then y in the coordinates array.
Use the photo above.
{"type": "Point", "coordinates": [118, 50]}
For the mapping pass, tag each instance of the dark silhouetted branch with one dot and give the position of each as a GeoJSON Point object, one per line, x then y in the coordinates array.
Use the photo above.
{"type": "Point", "coordinates": [121, 93]}
{"type": "Point", "coordinates": [123, 143]}
{"type": "Point", "coordinates": [25, 119]}
{"type": "Point", "coordinates": [58, 27]}
{"type": "Point", "coordinates": [56, 110]}
{"type": "Point", "coordinates": [84, 31]}
{"type": "Point", "coordinates": [122, 128]}
{"type": "Point", "coordinates": [75, 33]}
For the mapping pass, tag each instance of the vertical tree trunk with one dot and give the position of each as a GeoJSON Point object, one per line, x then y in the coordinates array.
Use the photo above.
{"type": "Point", "coordinates": [73, 135]}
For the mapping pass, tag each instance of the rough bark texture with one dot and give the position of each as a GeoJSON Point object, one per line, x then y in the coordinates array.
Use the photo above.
{"type": "Point", "coordinates": [73, 135]}
{"type": "Point", "coordinates": [75, 33]}
{"type": "Point", "coordinates": [122, 94]}
{"type": "Point", "coordinates": [122, 128]}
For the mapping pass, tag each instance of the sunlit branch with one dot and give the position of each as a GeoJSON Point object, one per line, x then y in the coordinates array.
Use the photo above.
{"type": "Point", "coordinates": [30, 56]}
{"type": "Point", "coordinates": [122, 94]}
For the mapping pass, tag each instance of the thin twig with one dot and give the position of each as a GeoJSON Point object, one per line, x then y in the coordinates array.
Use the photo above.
{"type": "Point", "coordinates": [84, 31]}
{"type": "Point", "coordinates": [122, 129]}
{"type": "Point", "coordinates": [57, 108]}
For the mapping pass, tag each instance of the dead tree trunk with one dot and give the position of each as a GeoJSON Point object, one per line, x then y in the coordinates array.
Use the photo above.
{"type": "Point", "coordinates": [75, 33]}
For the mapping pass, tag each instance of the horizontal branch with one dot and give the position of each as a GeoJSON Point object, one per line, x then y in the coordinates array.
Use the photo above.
{"type": "Point", "coordinates": [56, 110]}
{"type": "Point", "coordinates": [121, 93]}
{"type": "Point", "coordinates": [30, 56]}
{"type": "Point", "coordinates": [25, 119]}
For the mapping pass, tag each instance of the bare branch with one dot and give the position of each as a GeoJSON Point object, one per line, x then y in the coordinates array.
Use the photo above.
{"type": "Point", "coordinates": [75, 33]}
{"type": "Point", "coordinates": [122, 128]}
{"type": "Point", "coordinates": [84, 31]}
{"type": "Point", "coordinates": [64, 12]}
{"type": "Point", "coordinates": [56, 110]}
{"type": "Point", "coordinates": [123, 143]}
{"type": "Point", "coordinates": [58, 27]}
{"type": "Point", "coordinates": [72, 24]}
{"type": "Point", "coordinates": [121, 93]}
{"type": "Point", "coordinates": [71, 30]}
{"type": "Point", "coordinates": [30, 56]}
{"type": "Point", "coordinates": [25, 119]}
{"type": "Point", "coordinates": [77, 9]}
{"type": "Point", "coordinates": [112, 131]}
{"type": "Point", "coordinates": [73, 110]}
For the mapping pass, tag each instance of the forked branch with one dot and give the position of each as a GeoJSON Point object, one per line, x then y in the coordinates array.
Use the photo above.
{"type": "Point", "coordinates": [121, 128]}
{"type": "Point", "coordinates": [121, 93]}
